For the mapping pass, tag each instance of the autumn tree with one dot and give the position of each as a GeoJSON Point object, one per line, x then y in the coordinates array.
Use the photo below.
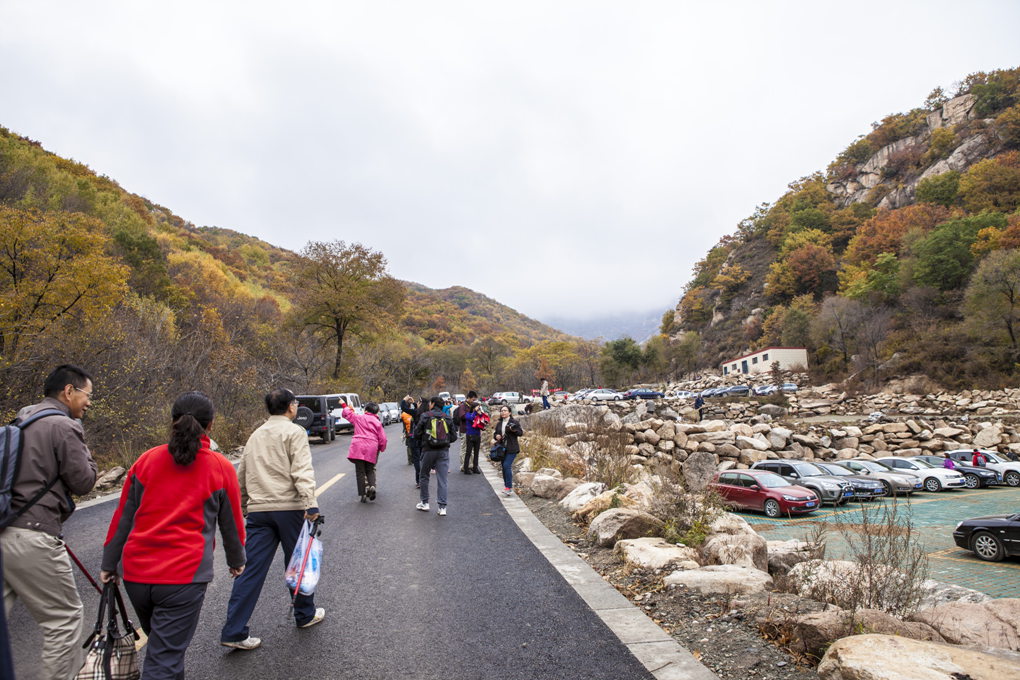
{"type": "Point", "coordinates": [992, 298]}
{"type": "Point", "coordinates": [886, 232]}
{"type": "Point", "coordinates": [345, 290]}
{"type": "Point", "coordinates": [836, 325]}
{"type": "Point", "coordinates": [992, 184]}
{"type": "Point", "coordinates": [53, 269]}
{"type": "Point", "coordinates": [944, 258]}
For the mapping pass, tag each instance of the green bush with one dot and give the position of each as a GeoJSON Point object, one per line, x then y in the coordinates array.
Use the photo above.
{"type": "Point", "coordinates": [941, 189]}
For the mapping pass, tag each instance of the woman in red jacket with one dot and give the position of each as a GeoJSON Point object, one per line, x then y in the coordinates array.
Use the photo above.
{"type": "Point", "coordinates": [162, 533]}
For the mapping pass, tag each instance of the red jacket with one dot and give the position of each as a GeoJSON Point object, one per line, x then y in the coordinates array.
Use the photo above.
{"type": "Point", "coordinates": [164, 526]}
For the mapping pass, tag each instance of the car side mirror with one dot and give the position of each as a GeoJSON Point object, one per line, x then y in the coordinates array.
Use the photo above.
{"type": "Point", "coordinates": [755, 487]}
{"type": "Point", "coordinates": [794, 475]}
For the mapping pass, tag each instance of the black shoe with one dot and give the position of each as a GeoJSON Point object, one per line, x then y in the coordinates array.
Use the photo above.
{"type": "Point", "coordinates": [371, 493]}
{"type": "Point", "coordinates": [364, 498]}
{"type": "Point", "coordinates": [465, 471]}
{"type": "Point", "coordinates": [477, 471]}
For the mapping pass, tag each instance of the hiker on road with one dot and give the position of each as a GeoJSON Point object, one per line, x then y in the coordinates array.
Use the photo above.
{"type": "Point", "coordinates": [434, 432]}
{"type": "Point", "coordinates": [55, 463]}
{"type": "Point", "coordinates": [163, 532]}
{"type": "Point", "coordinates": [368, 442]}
{"type": "Point", "coordinates": [278, 495]}
{"type": "Point", "coordinates": [505, 433]}
{"type": "Point", "coordinates": [463, 417]}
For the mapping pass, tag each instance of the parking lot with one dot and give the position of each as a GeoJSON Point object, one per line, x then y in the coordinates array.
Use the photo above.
{"type": "Point", "coordinates": [933, 517]}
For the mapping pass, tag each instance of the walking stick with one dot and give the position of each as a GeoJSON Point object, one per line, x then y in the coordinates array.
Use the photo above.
{"type": "Point", "coordinates": [304, 560]}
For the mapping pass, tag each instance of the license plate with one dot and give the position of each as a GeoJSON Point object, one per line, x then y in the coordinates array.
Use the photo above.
{"type": "Point", "coordinates": [918, 485]}
{"type": "Point", "coordinates": [809, 505]}
{"type": "Point", "coordinates": [848, 493]}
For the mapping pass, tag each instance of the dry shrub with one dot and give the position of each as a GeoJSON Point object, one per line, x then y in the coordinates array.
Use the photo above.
{"type": "Point", "coordinates": [686, 516]}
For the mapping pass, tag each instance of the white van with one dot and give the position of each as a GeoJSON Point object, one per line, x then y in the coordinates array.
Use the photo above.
{"type": "Point", "coordinates": [334, 401]}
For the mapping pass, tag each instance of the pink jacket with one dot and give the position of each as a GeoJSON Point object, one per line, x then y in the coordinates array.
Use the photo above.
{"type": "Point", "coordinates": [369, 439]}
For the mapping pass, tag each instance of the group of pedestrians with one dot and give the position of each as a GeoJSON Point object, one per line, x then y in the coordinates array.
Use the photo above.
{"type": "Point", "coordinates": [176, 496]}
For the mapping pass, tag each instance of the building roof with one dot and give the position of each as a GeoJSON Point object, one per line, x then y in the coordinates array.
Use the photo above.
{"type": "Point", "coordinates": [766, 349]}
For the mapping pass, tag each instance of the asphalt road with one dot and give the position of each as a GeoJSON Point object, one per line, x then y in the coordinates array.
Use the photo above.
{"type": "Point", "coordinates": [407, 594]}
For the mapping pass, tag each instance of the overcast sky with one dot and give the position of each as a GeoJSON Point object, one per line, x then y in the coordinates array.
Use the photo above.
{"type": "Point", "coordinates": [566, 158]}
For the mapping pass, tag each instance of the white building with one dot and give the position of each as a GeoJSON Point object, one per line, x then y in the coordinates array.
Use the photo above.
{"type": "Point", "coordinates": [789, 358]}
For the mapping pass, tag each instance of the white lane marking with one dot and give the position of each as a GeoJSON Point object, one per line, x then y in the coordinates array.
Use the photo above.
{"type": "Point", "coordinates": [337, 478]}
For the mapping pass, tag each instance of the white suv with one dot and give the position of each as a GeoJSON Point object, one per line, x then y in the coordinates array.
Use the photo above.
{"type": "Point", "coordinates": [349, 398]}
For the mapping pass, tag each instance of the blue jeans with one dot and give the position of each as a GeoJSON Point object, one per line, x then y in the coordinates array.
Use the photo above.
{"type": "Point", "coordinates": [508, 470]}
{"type": "Point", "coordinates": [545, 401]}
{"type": "Point", "coordinates": [266, 531]}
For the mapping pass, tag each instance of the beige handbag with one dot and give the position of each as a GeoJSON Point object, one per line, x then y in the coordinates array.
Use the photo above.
{"type": "Point", "coordinates": [111, 653]}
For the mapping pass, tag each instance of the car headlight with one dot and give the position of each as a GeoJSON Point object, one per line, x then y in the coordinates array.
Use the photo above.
{"type": "Point", "coordinates": [829, 486]}
{"type": "Point", "coordinates": [792, 498]}
{"type": "Point", "coordinates": [958, 525]}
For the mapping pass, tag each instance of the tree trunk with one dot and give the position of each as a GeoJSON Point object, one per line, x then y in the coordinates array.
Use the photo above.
{"type": "Point", "coordinates": [340, 330]}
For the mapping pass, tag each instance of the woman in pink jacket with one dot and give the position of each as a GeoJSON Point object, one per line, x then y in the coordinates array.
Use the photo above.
{"type": "Point", "coordinates": [368, 442]}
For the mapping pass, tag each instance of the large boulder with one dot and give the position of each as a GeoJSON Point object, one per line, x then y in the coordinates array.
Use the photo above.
{"type": "Point", "coordinates": [110, 479]}
{"type": "Point", "coordinates": [783, 555]}
{"type": "Point", "coordinates": [988, 437]}
{"type": "Point", "coordinates": [579, 497]}
{"type": "Point", "coordinates": [731, 540]}
{"type": "Point", "coordinates": [725, 578]}
{"type": "Point", "coordinates": [621, 523]}
{"type": "Point", "coordinates": [698, 470]}
{"type": "Point", "coordinates": [657, 553]}
{"type": "Point", "coordinates": [813, 633]}
{"type": "Point", "coordinates": [772, 410]}
{"type": "Point", "coordinates": [547, 486]}
{"type": "Point", "coordinates": [889, 657]}
{"type": "Point", "coordinates": [610, 498]}
{"type": "Point", "coordinates": [995, 623]}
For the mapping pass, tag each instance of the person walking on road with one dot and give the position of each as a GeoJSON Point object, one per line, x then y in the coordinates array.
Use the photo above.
{"type": "Point", "coordinates": [368, 442]}
{"type": "Point", "coordinates": [462, 417]}
{"type": "Point", "coordinates": [545, 393]}
{"type": "Point", "coordinates": [278, 495]}
{"type": "Point", "coordinates": [505, 433]}
{"type": "Point", "coordinates": [163, 532]}
{"type": "Point", "coordinates": [55, 463]}
{"type": "Point", "coordinates": [434, 432]}
{"type": "Point", "coordinates": [410, 418]}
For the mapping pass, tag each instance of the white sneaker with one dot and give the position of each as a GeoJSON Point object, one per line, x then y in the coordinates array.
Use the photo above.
{"type": "Point", "coordinates": [248, 644]}
{"type": "Point", "coordinates": [320, 614]}
{"type": "Point", "coordinates": [424, 507]}
{"type": "Point", "coordinates": [442, 512]}
{"type": "Point", "coordinates": [508, 492]}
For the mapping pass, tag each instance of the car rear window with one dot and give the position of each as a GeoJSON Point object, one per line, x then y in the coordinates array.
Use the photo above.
{"type": "Point", "coordinates": [313, 403]}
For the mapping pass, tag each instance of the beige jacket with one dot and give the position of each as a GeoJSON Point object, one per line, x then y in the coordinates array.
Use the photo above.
{"type": "Point", "coordinates": [276, 470]}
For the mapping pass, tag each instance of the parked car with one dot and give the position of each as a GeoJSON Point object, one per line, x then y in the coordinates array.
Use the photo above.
{"type": "Point", "coordinates": [990, 538]}
{"type": "Point", "coordinates": [445, 396]}
{"type": "Point", "coordinates": [933, 478]}
{"type": "Point", "coordinates": [643, 393]}
{"type": "Point", "coordinates": [580, 394]}
{"type": "Point", "coordinates": [765, 390]}
{"type": "Point", "coordinates": [1009, 470]}
{"type": "Point", "coordinates": [457, 398]}
{"type": "Point", "coordinates": [976, 477]}
{"type": "Point", "coordinates": [895, 483]}
{"type": "Point", "coordinates": [353, 400]}
{"type": "Point", "coordinates": [736, 391]}
{"type": "Point", "coordinates": [391, 409]}
{"type": "Point", "coordinates": [683, 394]}
{"type": "Point", "coordinates": [789, 387]}
{"type": "Point", "coordinates": [603, 394]}
{"type": "Point", "coordinates": [828, 488]}
{"type": "Point", "coordinates": [765, 491]}
{"type": "Point", "coordinates": [504, 398]}
{"type": "Point", "coordinates": [865, 488]}
{"type": "Point", "coordinates": [315, 414]}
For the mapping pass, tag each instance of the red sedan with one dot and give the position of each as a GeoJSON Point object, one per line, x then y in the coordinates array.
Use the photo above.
{"type": "Point", "coordinates": [763, 490]}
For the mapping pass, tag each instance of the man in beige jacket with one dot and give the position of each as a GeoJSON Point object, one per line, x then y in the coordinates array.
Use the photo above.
{"type": "Point", "coordinates": [55, 463]}
{"type": "Point", "coordinates": [277, 496]}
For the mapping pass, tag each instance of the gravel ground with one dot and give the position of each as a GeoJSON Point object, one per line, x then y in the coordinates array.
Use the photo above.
{"type": "Point", "coordinates": [721, 631]}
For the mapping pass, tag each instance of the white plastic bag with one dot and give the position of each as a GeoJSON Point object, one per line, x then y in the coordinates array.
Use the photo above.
{"type": "Point", "coordinates": [308, 577]}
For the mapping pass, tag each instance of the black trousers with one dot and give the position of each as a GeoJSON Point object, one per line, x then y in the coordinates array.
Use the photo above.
{"type": "Point", "coordinates": [169, 616]}
{"type": "Point", "coordinates": [365, 472]}
{"type": "Point", "coordinates": [472, 444]}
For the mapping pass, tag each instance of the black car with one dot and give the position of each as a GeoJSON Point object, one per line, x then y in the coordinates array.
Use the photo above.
{"type": "Point", "coordinates": [976, 477]}
{"type": "Point", "coordinates": [316, 416]}
{"type": "Point", "coordinates": [990, 538]}
{"type": "Point", "coordinates": [642, 393]}
{"type": "Point", "coordinates": [737, 391]}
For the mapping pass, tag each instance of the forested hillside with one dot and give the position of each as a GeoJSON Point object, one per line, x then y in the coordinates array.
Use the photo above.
{"type": "Point", "coordinates": [903, 256]}
{"type": "Point", "coordinates": [153, 306]}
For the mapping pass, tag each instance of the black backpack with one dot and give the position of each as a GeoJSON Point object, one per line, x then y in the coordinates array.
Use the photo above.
{"type": "Point", "coordinates": [11, 443]}
{"type": "Point", "coordinates": [438, 432]}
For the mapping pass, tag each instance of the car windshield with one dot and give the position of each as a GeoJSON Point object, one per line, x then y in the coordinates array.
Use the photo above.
{"type": "Point", "coordinates": [808, 470]}
{"type": "Point", "coordinates": [992, 458]}
{"type": "Point", "coordinates": [871, 465]}
{"type": "Point", "coordinates": [770, 481]}
{"type": "Point", "coordinates": [835, 469]}
{"type": "Point", "coordinates": [921, 463]}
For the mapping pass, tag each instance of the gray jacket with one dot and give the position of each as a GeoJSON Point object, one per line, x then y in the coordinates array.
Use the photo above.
{"type": "Point", "coordinates": [53, 447]}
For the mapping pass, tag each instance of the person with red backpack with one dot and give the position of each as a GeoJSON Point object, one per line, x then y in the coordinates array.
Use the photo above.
{"type": "Point", "coordinates": [435, 433]}
{"type": "Point", "coordinates": [54, 463]}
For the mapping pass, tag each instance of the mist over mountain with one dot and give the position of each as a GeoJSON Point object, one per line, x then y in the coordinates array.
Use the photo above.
{"type": "Point", "coordinates": [637, 325]}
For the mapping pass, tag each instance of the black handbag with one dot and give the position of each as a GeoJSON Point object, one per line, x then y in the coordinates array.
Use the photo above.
{"type": "Point", "coordinates": [497, 453]}
{"type": "Point", "coordinates": [112, 654]}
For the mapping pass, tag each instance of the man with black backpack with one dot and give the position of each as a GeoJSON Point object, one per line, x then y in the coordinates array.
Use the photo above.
{"type": "Point", "coordinates": [52, 463]}
{"type": "Point", "coordinates": [435, 432]}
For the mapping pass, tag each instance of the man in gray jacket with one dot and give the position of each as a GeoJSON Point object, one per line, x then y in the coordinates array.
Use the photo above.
{"type": "Point", "coordinates": [36, 566]}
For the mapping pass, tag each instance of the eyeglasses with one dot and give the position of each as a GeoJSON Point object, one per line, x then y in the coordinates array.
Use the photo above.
{"type": "Point", "coordinates": [88, 395]}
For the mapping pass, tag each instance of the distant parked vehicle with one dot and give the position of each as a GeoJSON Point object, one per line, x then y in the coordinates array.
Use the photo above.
{"type": "Point", "coordinates": [736, 391]}
{"type": "Point", "coordinates": [765, 491]}
{"type": "Point", "coordinates": [990, 538]}
{"type": "Point", "coordinates": [976, 477]}
{"type": "Point", "coordinates": [789, 387]}
{"type": "Point", "coordinates": [1009, 470]}
{"type": "Point", "coordinates": [683, 394]}
{"type": "Point", "coordinates": [392, 411]}
{"type": "Point", "coordinates": [643, 393]}
{"type": "Point", "coordinates": [865, 489]}
{"type": "Point", "coordinates": [315, 414]}
{"type": "Point", "coordinates": [351, 399]}
{"type": "Point", "coordinates": [934, 479]}
{"type": "Point", "coordinates": [604, 394]}
{"type": "Point", "coordinates": [895, 483]}
{"type": "Point", "coordinates": [828, 488]}
{"type": "Point", "coordinates": [505, 398]}
{"type": "Point", "coordinates": [765, 390]}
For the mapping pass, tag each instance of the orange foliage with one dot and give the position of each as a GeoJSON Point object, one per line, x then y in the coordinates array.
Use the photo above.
{"type": "Point", "coordinates": [884, 232]}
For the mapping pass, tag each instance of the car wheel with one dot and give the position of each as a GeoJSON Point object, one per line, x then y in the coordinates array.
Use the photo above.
{"type": "Point", "coordinates": [304, 416]}
{"type": "Point", "coordinates": [888, 488]}
{"type": "Point", "coordinates": [973, 482]}
{"type": "Point", "coordinates": [1013, 478]}
{"type": "Point", "coordinates": [987, 547]}
{"type": "Point", "coordinates": [932, 484]}
{"type": "Point", "coordinates": [617, 398]}
{"type": "Point", "coordinates": [772, 508]}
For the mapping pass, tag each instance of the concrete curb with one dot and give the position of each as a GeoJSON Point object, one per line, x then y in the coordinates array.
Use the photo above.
{"type": "Point", "coordinates": [656, 649]}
